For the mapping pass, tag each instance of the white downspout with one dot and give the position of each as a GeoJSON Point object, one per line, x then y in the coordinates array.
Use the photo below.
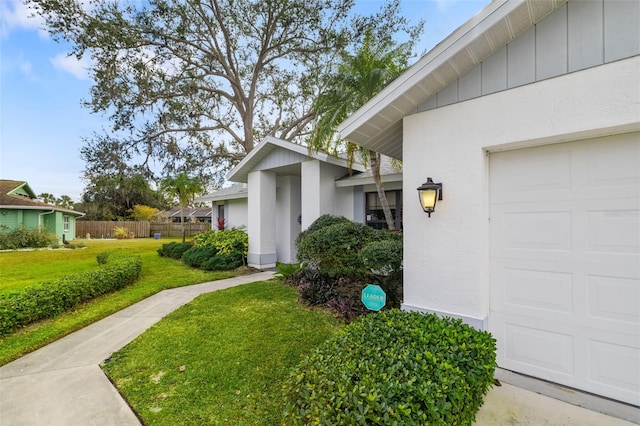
{"type": "Point", "coordinates": [40, 217]}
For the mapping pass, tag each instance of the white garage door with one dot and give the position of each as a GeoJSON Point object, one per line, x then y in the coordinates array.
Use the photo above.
{"type": "Point", "coordinates": [565, 263]}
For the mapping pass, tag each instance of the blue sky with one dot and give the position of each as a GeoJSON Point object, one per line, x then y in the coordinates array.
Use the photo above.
{"type": "Point", "coordinates": [42, 122]}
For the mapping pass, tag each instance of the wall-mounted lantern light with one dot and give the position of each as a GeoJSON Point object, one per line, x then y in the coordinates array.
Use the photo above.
{"type": "Point", "coordinates": [429, 193]}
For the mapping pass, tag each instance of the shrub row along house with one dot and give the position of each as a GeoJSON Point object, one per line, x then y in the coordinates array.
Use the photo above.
{"type": "Point", "coordinates": [19, 208]}
{"type": "Point", "coordinates": [529, 116]}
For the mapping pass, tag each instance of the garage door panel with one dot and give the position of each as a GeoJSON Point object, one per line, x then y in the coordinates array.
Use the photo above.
{"type": "Point", "coordinates": [558, 353]}
{"type": "Point", "coordinates": [613, 161]}
{"type": "Point", "coordinates": [613, 230]}
{"type": "Point", "coordinates": [531, 174]}
{"type": "Point", "coordinates": [614, 298]}
{"type": "Point", "coordinates": [615, 367]}
{"type": "Point", "coordinates": [538, 230]}
{"type": "Point", "coordinates": [538, 348]}
{"type": "Point", "coordinates": [539, 290]}
{"type": "Point", "coordinates": [565, 263]}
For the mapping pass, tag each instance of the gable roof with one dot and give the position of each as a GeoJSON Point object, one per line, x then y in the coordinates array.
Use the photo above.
{"type": "Point", "coordinates": [301, 153]}
{"type": "Point", "coordinates": [13, 187]}
{"type": "Point", "coordinates": [11, 197]}
{"type": "Point", "coordinates": [377, 125]}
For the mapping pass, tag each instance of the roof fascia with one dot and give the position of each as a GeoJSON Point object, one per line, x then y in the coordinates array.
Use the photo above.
{"type": "Point", "coordinates": [206, 198]}
{"type": "Point", "coordinates": [52, 208]}
{"type": "Point", "coordinates": [356, 181]}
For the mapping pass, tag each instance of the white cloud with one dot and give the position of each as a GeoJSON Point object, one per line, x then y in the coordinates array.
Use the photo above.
{"type": "Point", "coordinates": [14, 14]}
{"type": "Point", "coordinates": [78, 68]}
{"type": "Point", "coordinates": [26, 68]}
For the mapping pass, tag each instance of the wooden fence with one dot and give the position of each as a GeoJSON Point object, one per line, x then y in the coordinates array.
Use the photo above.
{"type": "Point", "coordinates": [175, 229]}
{"type": "Point", "coordinates": [105, 229]}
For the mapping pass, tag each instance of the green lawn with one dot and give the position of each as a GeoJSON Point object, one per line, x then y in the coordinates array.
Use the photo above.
{"type": "Point", "coordinates": [221, 359]}
{"type": "Point", "coordinates": [21, 268]}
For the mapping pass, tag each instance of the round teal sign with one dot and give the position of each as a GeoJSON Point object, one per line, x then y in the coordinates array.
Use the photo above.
{"type": "Point", "coordinates": [374, 297]}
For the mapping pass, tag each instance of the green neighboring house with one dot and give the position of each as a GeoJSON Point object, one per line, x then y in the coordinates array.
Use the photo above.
{"type": "Point", "coordinates": [19, 207]}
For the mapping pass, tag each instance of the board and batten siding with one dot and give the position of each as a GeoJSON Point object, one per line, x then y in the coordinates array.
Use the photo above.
{"type": "Point", "coordinates": [577, 35]}
{"type": "Point", "coordinates": [279, 158]}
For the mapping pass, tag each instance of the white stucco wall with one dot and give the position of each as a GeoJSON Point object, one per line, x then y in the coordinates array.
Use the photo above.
{"type": "Point", "coordinates": [236, 215]}
{"type": "Point", "coordinates": [446, 257]}
{"type": "Point", "coordinates": [319, 190]}
{"type": "Point", "coordinates": [287, 211]}
{"type": "Point", "coordinates": [344, 203]}
{"type": "Point", "coordinates": [262, 219]}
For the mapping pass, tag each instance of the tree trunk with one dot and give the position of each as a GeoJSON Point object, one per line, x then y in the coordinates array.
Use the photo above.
{"type": "Point", "coordinates": [374, 158]}
{"type": "Point", "coordinates": [182, 223]}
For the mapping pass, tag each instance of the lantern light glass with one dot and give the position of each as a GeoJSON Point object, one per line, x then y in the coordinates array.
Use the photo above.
{"type": "Point", "coordinates": [429, 194]}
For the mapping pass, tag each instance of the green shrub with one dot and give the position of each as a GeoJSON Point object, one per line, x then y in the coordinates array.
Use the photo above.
{"type": "Point", "coordinates": [174, 250]}
{"type": "Point", "coordinates": [334, 249]}
{"type": "Point", "coordinates": [342, 258]}
{"type": "Point", "coordinates": [383, 257]}
{"type": "Point", "coordinates": [394, 367]}
{"type": "Point", "coordinates": [221, 250]}
{"type": "Point", "coordinates": [229, 242]}
{"type": "Point", "coordinates": [223, 262]}
{"type": "Point", "coordinates": [27, 238]}
{"type": "Point", "coordinates": [322, 222]}
{"type": "Point", "coordinates": [48, 299]}
{"type": "Point", "coordinates": [196, 256]}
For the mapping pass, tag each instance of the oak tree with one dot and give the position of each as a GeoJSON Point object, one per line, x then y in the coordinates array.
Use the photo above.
{"type": "Point", "coordinates": [194, 84]}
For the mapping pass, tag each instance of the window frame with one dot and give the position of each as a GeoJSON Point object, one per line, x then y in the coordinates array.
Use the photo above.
{"type": "Point", "coordinates": [375, 217]}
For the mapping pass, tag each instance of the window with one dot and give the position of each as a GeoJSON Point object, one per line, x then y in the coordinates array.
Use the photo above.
{"type": "Point", "coordinates": [65, 220]}
{"type": "Point", "coordinates": [221, 211]}
{"type": "Point", "coordinates": [374, 215]}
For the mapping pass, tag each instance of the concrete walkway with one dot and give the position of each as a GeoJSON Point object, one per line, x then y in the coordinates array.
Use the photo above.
{"type": "Point", "coordinates": [62, 385]}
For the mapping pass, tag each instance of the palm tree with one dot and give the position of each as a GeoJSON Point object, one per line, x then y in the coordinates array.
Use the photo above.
{"type": "Point", "coordinates": [47, 198]}
{"type": "Point", "coordinates": [184, 188]}
{"type": "Point", "coordinates": [64, 201]}
{"type": "Point", "coordinates": [359, 77]}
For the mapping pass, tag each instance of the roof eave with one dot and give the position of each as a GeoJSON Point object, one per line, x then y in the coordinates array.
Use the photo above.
{"type": "Point", "coordinates": [52, 208]}
{"type": "Point", "coordinates": [439, 54]}
{"type": "Point", "coordinates": [378, 124]}
{"type": "Point", "coordinates": [367, 180]}
{"type": "Point", "coordinates": [207, 198]}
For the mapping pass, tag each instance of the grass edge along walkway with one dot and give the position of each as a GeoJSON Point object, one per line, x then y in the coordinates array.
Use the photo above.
{"type": "Point", "coordinates": [157, 274]}
{"type": "Point", "coordinates": [220, 359]}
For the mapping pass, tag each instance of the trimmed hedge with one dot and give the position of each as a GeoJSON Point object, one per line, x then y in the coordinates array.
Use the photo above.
{"type": "Point", "coordinates": [382, 257]}
{"type": "Point", "coordinates": [174, 250]}
{"type": "Point", "coordinates": [334, 249]}
{"type": "Point", "coordinates": [218, 250]}
{"type": "Point", "coordinates": [394, 368]}
{"type": "Point", "coordinates": [48, 299]}
{"type": "Point", "coordinates": [197, 256]}
{"type": "Point", "coordinates": [211, 250]}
